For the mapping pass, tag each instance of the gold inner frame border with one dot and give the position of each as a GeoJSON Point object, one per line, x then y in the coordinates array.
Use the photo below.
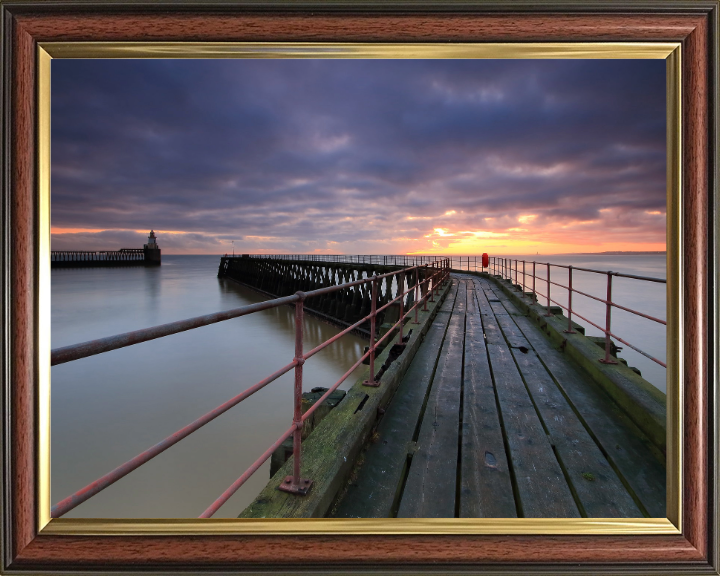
{"type": "Point", "coordinates": [668, 51]}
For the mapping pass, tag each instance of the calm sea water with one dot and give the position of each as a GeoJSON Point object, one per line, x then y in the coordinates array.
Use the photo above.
{"type": "Point", "coordinates": [108, 408]}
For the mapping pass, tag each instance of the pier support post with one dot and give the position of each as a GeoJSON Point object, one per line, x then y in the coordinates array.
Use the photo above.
{"type": "Point", "coordinates": [569, 310]}
{"type": "Point", "coordinates": [534, 293]}
{"type": "Point", "coordinates": [548, 313]}
{"type": "Point", "coordinates": [373, 307]}
{"type": "Point", "coordinates": [417, 294]}
{"type": "Point", "coordinates": [427, 285]}
{"type": "Point", "coordinates": [431, 284]}
{"type": "Point", "coordinates": [401, 289]}
{"type": "Point", "coordinates": [608, 314]}
{"type": "Point", "coordinates": [294, 484]}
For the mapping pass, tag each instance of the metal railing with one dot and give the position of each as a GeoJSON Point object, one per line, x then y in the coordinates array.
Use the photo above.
{"type": "Point", "coordinates": [387, 260]}
{"type": "Point", "coordinates": [434, 275]}
{"type": "Point", "coordinates": [122, 255]}
{"type": "Point", "coordinates": [503, 267]}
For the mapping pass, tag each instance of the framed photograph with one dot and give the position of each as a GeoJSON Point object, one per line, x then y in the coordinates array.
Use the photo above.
{"type": "Point", "coordinates": [682, 34]}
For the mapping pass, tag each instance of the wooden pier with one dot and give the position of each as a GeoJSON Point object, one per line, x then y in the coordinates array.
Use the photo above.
{"type": "Point", "coordinates": [493, 418]}
{"type": "Point", "coordinates": [492, 421]}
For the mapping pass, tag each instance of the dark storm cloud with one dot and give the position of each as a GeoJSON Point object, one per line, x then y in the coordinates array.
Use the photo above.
{"type": "Point", "coordinates": [303, 153]}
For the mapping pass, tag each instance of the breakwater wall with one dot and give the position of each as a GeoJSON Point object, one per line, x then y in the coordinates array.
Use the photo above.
{"type": "Point", "coordinates": [104, 258]}
{"type": "Point", "coordinates": [278, 278]}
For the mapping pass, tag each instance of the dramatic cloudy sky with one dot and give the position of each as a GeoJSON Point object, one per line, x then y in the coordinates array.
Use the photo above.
{"type": "Point", "coordinates": [359, 156]}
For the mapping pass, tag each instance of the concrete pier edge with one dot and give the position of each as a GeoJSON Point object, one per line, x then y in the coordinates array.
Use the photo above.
{"type": "Point", "coordinates": [641, 401]}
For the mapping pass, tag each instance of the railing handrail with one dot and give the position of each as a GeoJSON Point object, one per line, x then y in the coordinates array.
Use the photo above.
{"type": "Point", "coordinates": [379, 259]}
{"type": "Point", "coordinates": [83, 350]}
{"type": "Point", "coordinates": [505, 268]}
{"type": "Point", "coordinates": [97, 251]}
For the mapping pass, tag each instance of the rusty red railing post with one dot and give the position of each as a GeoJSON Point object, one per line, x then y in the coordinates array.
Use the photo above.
{"type": "Point", "coordinates": [427, 285]}
{"type": "Point", "coordinates": [516, 273]}
{"type": "Point", "coordinates": [534, 293]}
{"type": "Point", "coordinates": [401, 289]}
{"type": "Point", "coordinates": [297, 415]}
{"type": "Point", "coordinates": [608, 314]}
{"type": "Point", "coordinates": [431, 284]}
{"type": "Point", "coordinates": [294, 484]}
{"type": "Point", "coordinates": [570, 291]}
{"type": "Point", "coordinates": [416, 294]}
{"type": "Point", "coordinates": [373, 307]}
{"type": "Point", "coordinates": [548, 291]}
{"type": "Point", "coordinates": [524, 287]}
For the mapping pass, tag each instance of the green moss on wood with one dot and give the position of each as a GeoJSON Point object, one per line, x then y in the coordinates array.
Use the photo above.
{"type": "Point", "coordinates": [330, 450]}
{"type": "Point", "coordinates": [643, 403]}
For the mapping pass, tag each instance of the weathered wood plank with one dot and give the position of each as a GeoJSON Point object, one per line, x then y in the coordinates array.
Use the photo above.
{"type": "Point", "coordinates": [514, 336]}
{"type": "Point", "coordinates": [540, 484]}
{"type": "Point", "coordinates": [491, 329]}
{"type": "Point", "coordinates": [627, 448]}
{"type": "Point", "coordinates": [485, 483]}
{"type": "Point", "coordinates": [510, 307]}
{"type": "Point", "coordinates": [373, 493]}
{"type": "Point", "coordinates": [599, 491]}
{"type": "Point", "coordinates": [490, 294]}
{"type": "Point", "coordinates": [495, 293]}
{"type": "Point", "coordinates": [482, 300]}
{"type": "Point", "coordinates": [498, 309]}
{"type": "Point", "coordinates": [430, 490]}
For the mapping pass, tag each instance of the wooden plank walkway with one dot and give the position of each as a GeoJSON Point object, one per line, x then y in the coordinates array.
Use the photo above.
{"type": "Point", "coordinates": [492, 421]}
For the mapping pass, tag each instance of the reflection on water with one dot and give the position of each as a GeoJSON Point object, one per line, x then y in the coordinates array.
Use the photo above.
{"type": "Point", "coordinates": [108, 408]}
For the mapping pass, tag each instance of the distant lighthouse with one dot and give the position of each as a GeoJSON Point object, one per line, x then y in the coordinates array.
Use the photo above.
{"type": "Point", "coordinates": [152, 250]}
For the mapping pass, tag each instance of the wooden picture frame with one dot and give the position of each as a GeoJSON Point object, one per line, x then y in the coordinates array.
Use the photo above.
{"type": "Point", "coordinates": [26, 25]}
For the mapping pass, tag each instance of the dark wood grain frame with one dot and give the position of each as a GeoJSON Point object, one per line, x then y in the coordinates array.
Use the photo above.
{"type": "Point", "coordinates": [693, 23]}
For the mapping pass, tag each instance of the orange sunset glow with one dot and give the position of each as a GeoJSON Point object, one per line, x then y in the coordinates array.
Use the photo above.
{"type": "Point", "coordinates": [360, 157]}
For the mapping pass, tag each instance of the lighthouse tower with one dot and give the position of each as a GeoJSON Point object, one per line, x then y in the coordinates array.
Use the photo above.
{"type": "Point", "coordinates": [152, 250]}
